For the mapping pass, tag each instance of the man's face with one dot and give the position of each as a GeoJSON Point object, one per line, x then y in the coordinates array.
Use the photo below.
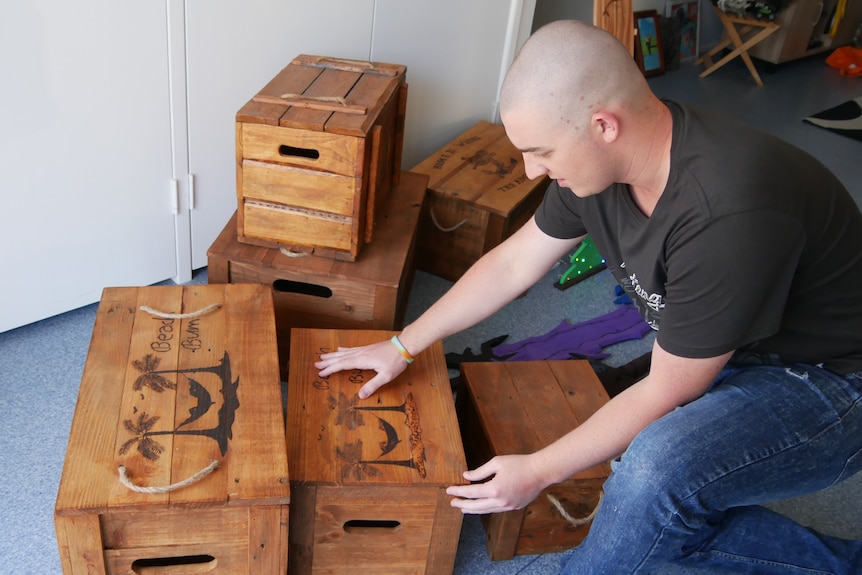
{"type": "Point", "coordinates": [576, 158]}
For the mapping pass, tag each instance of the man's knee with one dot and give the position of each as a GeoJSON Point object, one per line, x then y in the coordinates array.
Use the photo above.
{"type": "Point", "coordinates": [658, 466]}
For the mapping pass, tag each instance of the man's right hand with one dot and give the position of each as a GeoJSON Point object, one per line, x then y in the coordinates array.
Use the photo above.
{"type": "Point", "coordinates": [382, 357]}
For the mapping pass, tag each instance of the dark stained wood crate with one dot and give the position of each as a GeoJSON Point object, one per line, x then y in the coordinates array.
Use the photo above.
{"type": "Point", "coordinates": [318, 150]}
{"type": "Point", "coordinates": [313, 291]}
{"type": "Point", "coordinates": [368, 477]}
{"type": "Point", "coordinates": [163, 399]}
{"type": "Point", "coordinates": [521, 407]}
{"type": "Point", "coordinates": [478, 195]}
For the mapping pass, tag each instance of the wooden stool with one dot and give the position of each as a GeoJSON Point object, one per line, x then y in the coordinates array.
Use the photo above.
{"type": "Point", "coordinates": [749, 30]}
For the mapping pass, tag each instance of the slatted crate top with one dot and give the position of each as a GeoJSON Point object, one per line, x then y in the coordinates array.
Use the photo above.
{"type": "Point", "coordinates": [369, 476]}
{"type": "Point", "coordinates": [178, 433]}
{"type": "Point", "coordinates": [522, 407]}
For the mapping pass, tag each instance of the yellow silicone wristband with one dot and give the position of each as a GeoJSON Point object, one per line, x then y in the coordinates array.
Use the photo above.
{"type": "Point", "coordinates": [402, 350]}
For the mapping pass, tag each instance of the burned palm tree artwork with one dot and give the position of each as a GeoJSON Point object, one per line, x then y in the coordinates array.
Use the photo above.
{"type": "Point", "coordinates": [484, 158]}
{"type": "Point", "coordinates": [150, 377]}
{"type": "Point", "coordinates": [142, 428]}
{"type": "Point", "coordinates": [350, 415]}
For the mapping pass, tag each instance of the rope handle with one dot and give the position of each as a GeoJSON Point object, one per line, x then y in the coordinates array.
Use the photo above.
{"type": "Point", "coordinates": [449, 229]}
{"type": "Point", "coordinates": [573, 520]}
{"type": "Point", "coordinates": [293, 254]}
{"type": "Point", "coordinates": [124, 479]}
{"type": "Point", "coordinates": [169, 315]}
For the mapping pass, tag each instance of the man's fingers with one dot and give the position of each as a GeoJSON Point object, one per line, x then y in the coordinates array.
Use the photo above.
{"type": "Point", "coordinates": [335, 361]}
{"type": "Point", "coordinates": [482, 472]}
{"type": "Point", "coordinates": [478, 506]}
{"type": "Point", "coordinates": [370, 387]}
{"type": "Point", "coordinates": [477, 498]}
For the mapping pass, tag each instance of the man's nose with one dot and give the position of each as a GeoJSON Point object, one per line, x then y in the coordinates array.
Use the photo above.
{"type": "Point", "coordinates": [533, 168]}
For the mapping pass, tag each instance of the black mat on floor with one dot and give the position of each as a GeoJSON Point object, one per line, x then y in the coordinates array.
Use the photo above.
{"type": "Point", "coordinates": [844, 119]}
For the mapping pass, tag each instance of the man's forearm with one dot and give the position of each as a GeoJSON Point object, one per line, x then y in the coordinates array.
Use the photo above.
{"type": "Point", "coordinates": [607, 433]}
{"type": "Point", "coordinates": [496, 279]}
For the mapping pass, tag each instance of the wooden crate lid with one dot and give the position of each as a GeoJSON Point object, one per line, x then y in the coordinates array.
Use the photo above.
{"type": "Point", "coordinates": [164, 398]}
{"type": "Point", "coordinates": [524, 406]}
{"type": "Point", "coordinates": [481, 167]}
{"type": "Point", "coordinates": [405, 434]}
{"type": "Point", "coordinates": [326, 95]}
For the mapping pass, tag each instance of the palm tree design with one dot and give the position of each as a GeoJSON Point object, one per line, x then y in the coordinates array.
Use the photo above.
{"type": "Point", "coordinates": [484, 157]}
{"type": "Point", "coordinates": [351, 454]}
{"type": "Point", "coordinates": [348, 414]}
{"type": "Point", "coordinates": [151, 378]}
{"type": "Point", "coordinates": [221, 433]}
{"type": "Point", "coordinates": [345, 411]}
{"type": "Point", "coordinates": [142, 429]}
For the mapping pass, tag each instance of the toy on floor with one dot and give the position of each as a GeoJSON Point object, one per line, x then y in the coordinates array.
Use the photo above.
{"type": "Point", "coordinates": [586, 338]}
{"type": "Point", "coordinates": [585, 262]}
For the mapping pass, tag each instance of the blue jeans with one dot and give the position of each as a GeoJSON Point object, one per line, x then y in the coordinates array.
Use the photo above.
{"type": "Point", "coordinates": [685, 495]}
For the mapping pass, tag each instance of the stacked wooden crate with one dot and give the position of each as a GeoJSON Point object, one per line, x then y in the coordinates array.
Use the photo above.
{"type": "Point", "coordinates": [478, 195]}
{"type": "Point", "coordinates": [317, 150]}
{"type": "Point", "coordinates": [324, 215]}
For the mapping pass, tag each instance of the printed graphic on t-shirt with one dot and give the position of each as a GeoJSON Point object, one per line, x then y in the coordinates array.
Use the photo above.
{"type": "Point", "coordinates": [648, 304]}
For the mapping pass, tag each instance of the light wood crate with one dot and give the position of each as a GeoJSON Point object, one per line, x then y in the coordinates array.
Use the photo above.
{"type": "Point", "coordinates": [478, 195]}
{"type": "Point", "coordinates": [521, 407]}
{"type": "Point", "coordinates": [370, 293]}
{"type": "Point", "coordinates": [317, 151]}
{"type": "Point", "coordinates": [369, 476]}
{"type": "Point", "coordinates": [164, 398]}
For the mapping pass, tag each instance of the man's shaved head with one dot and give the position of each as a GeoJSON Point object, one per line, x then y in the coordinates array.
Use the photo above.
{"type": "Point", "coordinates": [569, 69]}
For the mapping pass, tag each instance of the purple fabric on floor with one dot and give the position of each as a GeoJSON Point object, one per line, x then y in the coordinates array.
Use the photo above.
{"type": "Point", "coordinates": [583, 339]}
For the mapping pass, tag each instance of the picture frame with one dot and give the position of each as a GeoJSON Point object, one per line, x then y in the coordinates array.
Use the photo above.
{"type": "Point", "coordinates": [686, 17]}
{"type": "Point", "coordinates": [648, 47]}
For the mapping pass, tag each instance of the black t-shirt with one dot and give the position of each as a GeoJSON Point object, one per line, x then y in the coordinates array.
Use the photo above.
{"type": "Point", "coordinates": [754, 245]}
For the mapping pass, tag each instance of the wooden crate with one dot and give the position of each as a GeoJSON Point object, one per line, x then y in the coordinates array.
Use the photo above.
{"type": "Point", "coordinates": [368, 477]}
{"type": "Point", "coordinates": [521, 407]}
{"type": "Point", "coordinates": [317, 151]}
{"type": "Point", "coordinates": [478, 196]}
{"type": "Point", "coordinates": [370, 293]}
{"type": "Point", "coordinates": [164, 398]}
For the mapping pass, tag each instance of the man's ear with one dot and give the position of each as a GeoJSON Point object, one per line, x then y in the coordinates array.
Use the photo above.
{"type": "Point", "coordinates": [607, 125]}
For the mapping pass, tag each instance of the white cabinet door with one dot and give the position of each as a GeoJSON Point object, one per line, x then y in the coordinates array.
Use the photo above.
{"type": "Point", "coordinates": [233, 50]}
{"type": "Point", "coordinates": [85, 153]}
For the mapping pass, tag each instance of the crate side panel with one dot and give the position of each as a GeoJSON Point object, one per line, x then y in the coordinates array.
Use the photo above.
{"type": "Point", "coordinates": [296, 147]}
{"type": "Point", "coordinates": [299, 188]}
{"type": "Point", "coordinates": [388, 530]}
{"type": "Point", "coordinates": [297, 227]}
